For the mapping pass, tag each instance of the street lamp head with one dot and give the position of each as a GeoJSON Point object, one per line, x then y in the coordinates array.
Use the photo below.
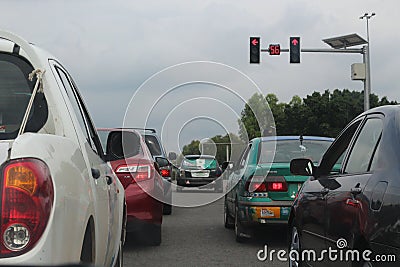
{"type": "Point", "coordinates": [367, 16]}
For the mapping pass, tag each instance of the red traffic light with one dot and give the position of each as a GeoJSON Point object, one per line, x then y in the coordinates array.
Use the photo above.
{"type": "Point", "coordinates": [254, 41]}
{"type": "Point", "coordinates": [255, 50]}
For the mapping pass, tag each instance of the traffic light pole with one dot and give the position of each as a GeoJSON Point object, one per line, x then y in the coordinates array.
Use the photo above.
{"type": "Point", "coordinates": [364, 51]}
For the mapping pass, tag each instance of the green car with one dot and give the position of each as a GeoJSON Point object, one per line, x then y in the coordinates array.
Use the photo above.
{"type": "Point", "coordinates": [260, 187]}
{"type": "Point", "coordinates": [201, 171]}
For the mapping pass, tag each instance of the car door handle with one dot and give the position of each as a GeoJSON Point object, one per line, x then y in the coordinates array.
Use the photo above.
{"type": "Point", "coordinates": [95, 173]}
{"type": "Point", "coordinates": [109, 180]}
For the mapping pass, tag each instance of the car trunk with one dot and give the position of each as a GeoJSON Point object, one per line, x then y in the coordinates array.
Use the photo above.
{"type": "Point", "coordinates": [279, 173]}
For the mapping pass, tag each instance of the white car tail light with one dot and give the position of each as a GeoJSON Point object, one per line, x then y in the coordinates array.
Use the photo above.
{"type": "Point", "coordinates": [27, 199]}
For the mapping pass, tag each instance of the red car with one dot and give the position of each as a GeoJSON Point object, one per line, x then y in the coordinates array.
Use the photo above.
{"type": "Point", "coordinates": [143, 184]}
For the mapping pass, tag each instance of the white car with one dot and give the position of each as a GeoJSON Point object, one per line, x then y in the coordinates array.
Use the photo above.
{"type": "Point", "coordinates": [60, 203]}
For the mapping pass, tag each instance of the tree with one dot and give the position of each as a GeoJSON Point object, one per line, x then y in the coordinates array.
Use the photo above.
{"type": "Point", "coordinates": [321, 114]}
{"type": "Point", "coordinates": [255, 117]}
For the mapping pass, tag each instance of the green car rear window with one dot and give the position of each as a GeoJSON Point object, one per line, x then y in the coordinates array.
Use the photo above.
{"type": "Point", "coordinates": [203, 163]}
{"type": "Point", "coordinates": [286, 150]}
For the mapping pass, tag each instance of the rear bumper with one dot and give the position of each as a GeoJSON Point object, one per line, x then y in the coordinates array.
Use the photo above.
{"type": "Point", "coordinates": [264, 212]}
{"type": "Point", "coordinates": [142, 207]}
{"type": "Point", "coordinates": [195, 182]}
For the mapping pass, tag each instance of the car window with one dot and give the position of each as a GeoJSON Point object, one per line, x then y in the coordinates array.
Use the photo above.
{"type": "Point", "coordinates": [199, 162]}
{"type": "Point", "coordinates": [286, 150]}
{"type": "Point", "coordinates": [331, 162]}
{"type": "Point", "coordinates": [15, 92]}
{"type": "Point", "coordinates": [85, 124]}
{"type": "Point", "coordinates": [245, 157]}
{"type": "Point", "coordinates": [153, 145]}
{"type": "Point", "coordinates": [361, 155]}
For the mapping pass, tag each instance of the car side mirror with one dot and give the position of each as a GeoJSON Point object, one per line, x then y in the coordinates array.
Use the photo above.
{"type": "Point", "coordinates": [162, 162]}
{"type": "Point", "coordinates": [304, 167]}
{"type": "Point", "coordinates": [122, 145]}
{"type": "Point", "coordinates": [172, 156]}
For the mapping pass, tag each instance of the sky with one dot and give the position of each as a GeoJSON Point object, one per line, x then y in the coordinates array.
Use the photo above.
{"type": "Point", "coordinates": [125, 55]}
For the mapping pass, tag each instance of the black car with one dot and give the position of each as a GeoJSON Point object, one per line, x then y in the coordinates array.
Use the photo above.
{"type": "Point", "coordinates": [200, 171]}
{"type": "Point", "coordinates": [351, 202]}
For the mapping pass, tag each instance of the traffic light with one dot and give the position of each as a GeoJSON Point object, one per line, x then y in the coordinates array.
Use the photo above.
{"type": "Point", "coordinates": [255, 50]}
{"type": "Point", "coordinates": [294, 49]}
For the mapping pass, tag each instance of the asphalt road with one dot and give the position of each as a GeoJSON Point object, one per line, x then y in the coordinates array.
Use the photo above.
{"type": "Point", "coordinates": [197, 237]}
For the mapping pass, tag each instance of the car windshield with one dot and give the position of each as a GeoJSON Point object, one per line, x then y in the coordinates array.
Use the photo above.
{"type": "Point", "coordinates": [15, 92]}
{"type": "Point", "coordinates": [199, 162]}
{"type": "Point", "coordinates": [286, 150]}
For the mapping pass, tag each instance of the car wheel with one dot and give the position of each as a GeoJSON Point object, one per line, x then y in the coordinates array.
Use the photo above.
{"type": "Point", "coordinates": [238, 226]}
{"type": "Point", "coordinates": [228, 221]}
{"type": "Point", "coordinates": [120, 258]}
{"type": "Point", "coordinates": [154, 235]}
{"type": "Point", "coordinates": [167, 209]}
{"type": "Point", "coordinates": [295, 246]}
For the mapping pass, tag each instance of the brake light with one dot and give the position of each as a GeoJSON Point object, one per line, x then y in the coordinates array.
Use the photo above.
{"type": "Point", "coordinates": [27, 199]}
{"type": "Point", "coordinates": [165, 173]}
{"type": "Point", "coordinates": [277, 187]}
{"type": "Point", "coordinates": [256, 184]}
{"type": "Point", "coordinates": [138, 172]}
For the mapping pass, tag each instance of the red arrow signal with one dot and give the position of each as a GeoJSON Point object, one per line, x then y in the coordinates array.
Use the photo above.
{"type": "Point", "coordinates": [295, 42]}
{"type": "Point", "coordinates": [254, 42]}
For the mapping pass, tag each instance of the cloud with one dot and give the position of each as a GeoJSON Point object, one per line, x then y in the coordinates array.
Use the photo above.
{"type": "Point", "coordinates": [111, 48]}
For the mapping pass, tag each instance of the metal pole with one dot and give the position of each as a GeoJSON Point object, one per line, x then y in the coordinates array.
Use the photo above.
{"type": "Point", "coordinates": [227, 152]}
{"type": "Point", "coordinates": [367, 60]}
{"type": "Point", "coordinates": [366, 91]}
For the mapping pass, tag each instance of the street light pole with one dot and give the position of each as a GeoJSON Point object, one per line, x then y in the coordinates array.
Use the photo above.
{"type": "Point", "coordinates": [367, 59]}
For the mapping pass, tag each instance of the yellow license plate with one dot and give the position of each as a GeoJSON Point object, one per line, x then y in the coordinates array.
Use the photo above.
{"type": "Point", "coordinates": [270, 212]}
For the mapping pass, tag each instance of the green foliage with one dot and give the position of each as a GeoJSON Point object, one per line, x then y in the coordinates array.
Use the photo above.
{"type": "Point", "coordinates": [235, 147]}
{"type": "Point", "coordinates": [323, 114]}
{"type": "Point", "coordinates": [256, 115]}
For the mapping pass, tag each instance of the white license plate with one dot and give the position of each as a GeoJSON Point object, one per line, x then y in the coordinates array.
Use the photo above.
{"type": "Point", "coordinates": [200, 174]}
{"type": "Point", "coordinates": [267, 213]}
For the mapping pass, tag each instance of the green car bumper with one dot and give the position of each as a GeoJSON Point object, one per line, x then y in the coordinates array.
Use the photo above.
{"type": "Point", "coordinates": [263, 211]}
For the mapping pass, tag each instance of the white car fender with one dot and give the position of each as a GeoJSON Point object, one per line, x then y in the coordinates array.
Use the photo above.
{"type": "Point", "coordinates": [74, 198]}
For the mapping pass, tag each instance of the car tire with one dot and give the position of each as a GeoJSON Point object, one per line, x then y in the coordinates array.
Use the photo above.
{"type": "Point", "coordinates": [228, 221]}
{"type": "Point", "coordinates": [295, 244]}
{"type": "Point", "coordinates": [238, 226]}
{"type": "Point", "coordinates": [167, 210]}
{"type": "Point", "coordinates": [154, 235]}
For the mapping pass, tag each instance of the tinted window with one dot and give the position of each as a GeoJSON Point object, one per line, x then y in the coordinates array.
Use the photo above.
{"type": "Point", "coordinates": [364, 147]}
{"type": "Point", "coordinates": [15, 93]}
{"type": "Point", "coordinates": [332, 160]}
{"type": "Point", "coordinates": [199, 162]}
{"type": "Point", "coordinates": [153, 145]}
{"type": "Point", "coordinates": [286, 150]}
